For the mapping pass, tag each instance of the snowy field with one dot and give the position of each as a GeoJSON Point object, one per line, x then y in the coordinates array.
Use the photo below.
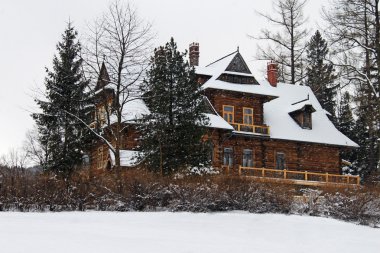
{"type": "Point", "coordinates": [180, 232]}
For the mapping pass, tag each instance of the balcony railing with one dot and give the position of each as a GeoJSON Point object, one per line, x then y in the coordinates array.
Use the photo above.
{"type": "Point", "coordinates": [299, 177]}
{"type": "Point", "coordinates": [265, 130]}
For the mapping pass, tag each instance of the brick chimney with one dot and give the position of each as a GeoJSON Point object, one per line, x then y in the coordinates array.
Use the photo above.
{"type": "Point", "coordinates": [194, 54]}
{"type": "Point", "coordinates": [272, 73]}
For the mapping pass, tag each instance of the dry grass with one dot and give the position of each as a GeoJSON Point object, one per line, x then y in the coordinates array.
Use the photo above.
{"type": "Point", "coordinates": [140, 190]}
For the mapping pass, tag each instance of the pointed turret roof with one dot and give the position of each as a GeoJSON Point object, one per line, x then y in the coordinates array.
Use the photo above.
{"type": "Point", "coordinates": [103, 78]}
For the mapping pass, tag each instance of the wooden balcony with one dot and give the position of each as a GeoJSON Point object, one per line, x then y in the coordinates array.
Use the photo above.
{"type": "Point", "coordinates": [255, 129]}
{"type": "Point", "coordinates": [299, 177]}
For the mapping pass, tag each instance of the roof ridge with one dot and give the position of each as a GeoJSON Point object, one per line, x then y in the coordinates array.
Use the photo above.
{"type": "Point", "coordinates": [237, 51]}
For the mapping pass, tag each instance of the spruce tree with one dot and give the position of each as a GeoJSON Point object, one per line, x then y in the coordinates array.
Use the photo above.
{"type": "Point", "coordinates": [345, 116]}
{"type": "Point", "coordinates": [320, 74]}
{"type": "Point", "coordinates": [366, 130]}
{"type": "Point", "coordinates": [174, 130]}
{"type": "Point", "coordinates": [60, 131]}
{"type": "Point", "coordinates": [346, 124]}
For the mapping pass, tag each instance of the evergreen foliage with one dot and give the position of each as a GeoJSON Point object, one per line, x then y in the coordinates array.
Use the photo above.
{"type": "Point", "coordinates": [353, 29]}
{"type": "Point", "coordinates": [366, 130]}
{"type": "Point", "coordinates": [62, 135]}
{"type": "Point", "coordinates": [346, 124]}
{"type": "Point", "coordinates": [174, 131]}
{"type": "Point", "coordinates": [345, 116]}
{"type": "Point", "coordinates": [319, 74]}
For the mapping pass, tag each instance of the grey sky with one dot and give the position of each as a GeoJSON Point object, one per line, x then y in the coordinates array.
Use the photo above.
{"type": "Point", "coordinates": [31, 29]}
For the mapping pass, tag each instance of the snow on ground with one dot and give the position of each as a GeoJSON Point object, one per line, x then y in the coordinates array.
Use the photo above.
{"type": "Point", "coordinates": [180, 232]}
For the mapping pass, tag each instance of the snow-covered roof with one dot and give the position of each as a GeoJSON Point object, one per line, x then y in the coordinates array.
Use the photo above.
{"type": "Point", "coordinates": [135, 107]}
{"type": "Point", "coordinates": [128, 158]}
{"type": "Point", "coordinates": [215, 121]}
{"type": "Point", "coordinates": [300, 106]}
{"type": "Point", "coordinates": [287, 98]}
{"type": "Point", "coordinates": [282, 125]}
{"type": "Point", "coordinates": [265, 90]}
{"type": "Point", "coordinates": [219, 67]}
{"type": "Point", "coordinates": [133, 110]}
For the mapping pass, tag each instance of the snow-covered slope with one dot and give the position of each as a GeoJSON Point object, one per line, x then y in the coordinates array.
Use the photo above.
{"type": "Point", "coordinates": [181, 232]}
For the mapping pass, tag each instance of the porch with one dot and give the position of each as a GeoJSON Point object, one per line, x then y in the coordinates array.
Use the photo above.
{"type": "Point", "coordinates": [296, 177]}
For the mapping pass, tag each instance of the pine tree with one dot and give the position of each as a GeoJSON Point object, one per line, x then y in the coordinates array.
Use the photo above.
{"type": "Point", "coordinates": [320, 74]}
{"type": "Point", "coordinates": [64, 137]}
{"type": "Point", "coordinates": [346, 124]}
{"type": "Point", "coordinates": [173, 132]}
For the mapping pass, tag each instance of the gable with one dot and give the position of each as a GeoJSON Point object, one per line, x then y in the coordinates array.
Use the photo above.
{"type": "Point", "coordinates": [238, 65]}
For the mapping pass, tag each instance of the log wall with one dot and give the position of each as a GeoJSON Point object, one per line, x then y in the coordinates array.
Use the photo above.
{"type": "Point", "coordinates": [218, 98]}
{"type": "Point", "coordinates": [298, 156]}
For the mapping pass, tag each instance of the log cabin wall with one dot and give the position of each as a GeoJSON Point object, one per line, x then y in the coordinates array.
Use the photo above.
{"type": "Point", "coordinates": [218, 98]}
{"type": "Point", "coordinates": [98, 156]}
{"type": "Point", "coordinates": [298, 156]}
{"type": "Point", "coordinates": [304, 156]}
{"type": "Point", "coordinates": [99, 153]}
{"type": "Point", "coordinates": [130, 138]}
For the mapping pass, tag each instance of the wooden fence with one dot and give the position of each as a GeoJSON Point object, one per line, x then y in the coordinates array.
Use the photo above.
{"type": "Point", "coordinates": [300, 177]}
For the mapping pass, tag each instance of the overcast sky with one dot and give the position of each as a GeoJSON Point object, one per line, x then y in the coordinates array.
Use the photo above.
{"type": "Point", "coordinates": [30, 30]}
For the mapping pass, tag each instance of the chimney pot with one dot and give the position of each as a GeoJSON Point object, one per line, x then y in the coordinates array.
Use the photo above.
{"type": "Point", "coordinates": [272, 73]}
{"type": "Point", "coordinates": [194, 54]}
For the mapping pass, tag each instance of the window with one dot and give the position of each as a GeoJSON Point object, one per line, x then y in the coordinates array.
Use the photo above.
{"type": "Point", "coordinates": [306, 120]}
{"type": "Point", "coordinates": [247, 116]}
{"type": "Point", "coordinates": [101, 113]}
{"type": "Point", "coordinates": [100, 158]}
{"type": "Point", "coordinates": [228, 158]}
{"type": "Point", "coordinates": [228, 113]}
{"type": "Point", "coordinates": [280, 161]}
{"type": "Point", "coordinates": [85, 160]}
{"type": "Point", "coordinates": [247, 158]}
{"type": "Point", "coordinates": [303, 116]}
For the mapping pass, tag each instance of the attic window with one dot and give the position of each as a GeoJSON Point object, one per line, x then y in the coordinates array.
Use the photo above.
{"type": "Point", "coordinates": [237, 79]}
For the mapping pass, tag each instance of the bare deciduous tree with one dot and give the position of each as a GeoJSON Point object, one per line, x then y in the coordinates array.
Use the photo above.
{"type": "Point", "coordinates": [122, 41]}
{"type": "Point", "coordinates": [286, 44]}
{"type": "Point", "coordinates": [35, 151]}
{"type": "Point", "coordinates": [15, 158]}
{"type": "Point", "coordinates": [353, 28]}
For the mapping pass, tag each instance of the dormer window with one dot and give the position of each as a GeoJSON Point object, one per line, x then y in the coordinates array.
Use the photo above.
{"type": "Point", "coordinates": [306, 122]}
{"type": "Point", "coordinates": [228, 113]}
{"type": "Point", "coordinates": [303, 116]}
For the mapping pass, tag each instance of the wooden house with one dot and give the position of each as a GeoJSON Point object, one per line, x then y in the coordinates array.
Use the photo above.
{"type": "Point", "coordinates": [258, 127]}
